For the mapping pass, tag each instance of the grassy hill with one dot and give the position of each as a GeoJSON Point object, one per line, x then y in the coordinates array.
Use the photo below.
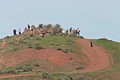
{"type": "Point", "coordinates": [66, 44]}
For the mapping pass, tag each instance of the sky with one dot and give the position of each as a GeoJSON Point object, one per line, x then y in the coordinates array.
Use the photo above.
{"type": "Point", "coordinates": [95, 18]}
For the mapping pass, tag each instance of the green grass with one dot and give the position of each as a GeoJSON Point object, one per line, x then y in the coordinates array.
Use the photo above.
{"type": "Point", "coordinates": [113, 49]}
{"type": "Point", "coordinates": [63, 43]}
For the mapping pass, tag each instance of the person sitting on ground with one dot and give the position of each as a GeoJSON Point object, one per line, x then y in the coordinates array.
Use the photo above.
{"type": "Point", "coordinates": [91, 43]}
{"type": "Point", "coordinates": [19, 31]}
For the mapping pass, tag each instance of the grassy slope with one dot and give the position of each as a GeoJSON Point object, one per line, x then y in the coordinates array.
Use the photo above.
{"type": "Point", "coordinates": [113, 73]}
{"type": "Point", "coordinates": [57, 42]}
{"type": "Point", "coordinates": [114, 50]}
{"type": "Point", "coordinates": [63, 43]}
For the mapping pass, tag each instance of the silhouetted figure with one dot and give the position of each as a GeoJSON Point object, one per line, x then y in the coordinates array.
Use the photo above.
{"type": "Point", "coordinates": [70, 30]}
{"type": "Point", "coordinates": [14, 32]}
{"type": "Point", "coordinates": [91, 43]}
{"type": "Point", "coordinates": [28, 27]}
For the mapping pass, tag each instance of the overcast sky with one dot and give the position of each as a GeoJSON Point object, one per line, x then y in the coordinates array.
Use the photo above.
{"type": "Point", "coordinates": [95, 18]}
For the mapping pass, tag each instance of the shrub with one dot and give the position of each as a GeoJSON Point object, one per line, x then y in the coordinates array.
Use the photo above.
{"type": "Point", "coordinates": [65, 77]}
{"type": "Point", "coordinates": [29, 45]}
{"type": "Point", "coordinates": [82, 37]}
{"type": "Point", "coordinates": [38, 47]}
{"type": "Point", "coordinates": [80, 78]}
{"type": "Point", "coordinates": [59, 48]}
{"type": "Point", "coordinates": [65, 50]}
{"type": "Point", "coordinates": [78, 68]}
{"type": "Point", "coordinates": [8, 71]}
{"type": "Point", "coordinates": [46, 76]}
{"type": "Point", "coordinates": [31, 35]}
{"type": "Point", "coordinates": [7, 37]}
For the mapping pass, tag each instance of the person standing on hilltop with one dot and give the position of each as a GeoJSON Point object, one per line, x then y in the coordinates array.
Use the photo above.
{"type": "Point", "coordinates": [77, 31]}
{"type": "Point", "coordinates": [74, 31]}
{"type": "Point", "coordinates": [70, 30]}
{"type": "Point", "coordinates": [14, 32]}
{"type": "Point", "coordinates": [28, 27]}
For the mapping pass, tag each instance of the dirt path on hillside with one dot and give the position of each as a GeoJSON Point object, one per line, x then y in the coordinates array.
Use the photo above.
{"type": "Point", "coordinates": [95, 57]}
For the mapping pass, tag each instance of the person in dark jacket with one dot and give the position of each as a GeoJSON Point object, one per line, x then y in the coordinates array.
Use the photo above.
{"type": "Point", "coordinates": [14, 32]}
{"type": "Point", "coordinates": [91, 43]}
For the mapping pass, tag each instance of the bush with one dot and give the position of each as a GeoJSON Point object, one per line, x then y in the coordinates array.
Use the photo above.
{"type": "Point", "coordinates": [59, 48]}
{"type": "Point", "coordinates": [30, 45]}
{"type": "Point", "coordinates": [38, 47]}
{"type": "Point", "coordinates": [7, 37]}
{"type": "Point", "coordinates": [82, 37]}
{"type": "Point", "coordinates": [17, 69]}
{"type": "Point", "coordinates": [8, 71]}
{"type": "Point", "coordinates": [46, 76]}
{"type": "Point", "coordinates": [80, 78]}
{"type": "Point", "coordinates": [79, 68]}
{"type": "Point", "coordinates": [65, 77]}
{"type": "Point", "coordinates": [31, 35]}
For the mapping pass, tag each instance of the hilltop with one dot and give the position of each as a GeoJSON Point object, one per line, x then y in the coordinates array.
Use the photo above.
{"type": "Point", "coordinates": [58, 57]}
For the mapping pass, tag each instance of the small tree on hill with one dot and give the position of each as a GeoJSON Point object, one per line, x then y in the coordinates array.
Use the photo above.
{"type": "Point", "coordinates": [56, 29]}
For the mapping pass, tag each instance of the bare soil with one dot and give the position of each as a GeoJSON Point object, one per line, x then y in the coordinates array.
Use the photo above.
{"type": "Point", "coordinates": [95, 58]}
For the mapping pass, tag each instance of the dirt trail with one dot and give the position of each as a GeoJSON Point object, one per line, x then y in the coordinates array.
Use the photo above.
{"type": "Point", "coordinates": [96, 57]}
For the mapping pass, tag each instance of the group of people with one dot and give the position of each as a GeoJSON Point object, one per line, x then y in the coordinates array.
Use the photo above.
{"type": "Point", "coordinates": [31, 29]}
{"type": "Point", "coordinates": [39, 31]}
{"type": "Point", "coordinates": [19, 30]}
{"type": "Point", "coordinates": [15, 31]}
{"type": "Point", "coordinates": [75, 31]}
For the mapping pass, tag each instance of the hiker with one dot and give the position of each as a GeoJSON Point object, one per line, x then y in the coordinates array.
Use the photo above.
{"type": "Point", "coordinates": [66, 32]}
{"type": "Point", "coordinates": [14, 32]}
{"type": "Point", "coordinates": [74, 31]}
{"type": "Point", "coordinates": [28, 27]}
{"type": "Point", "coordinates": [77, 31]}
{"type": "Point", "coordinates": [91, 43]}
{"type": "Point", "coordinates": [19, 31]}
{"type": "Point", "coordinates": [63, 32]}
{"type": "Point", "coordinates": [70, 30]}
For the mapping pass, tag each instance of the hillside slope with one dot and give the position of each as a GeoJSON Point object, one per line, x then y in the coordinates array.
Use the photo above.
{"type": "Point", "coordinates": [96, 57]}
